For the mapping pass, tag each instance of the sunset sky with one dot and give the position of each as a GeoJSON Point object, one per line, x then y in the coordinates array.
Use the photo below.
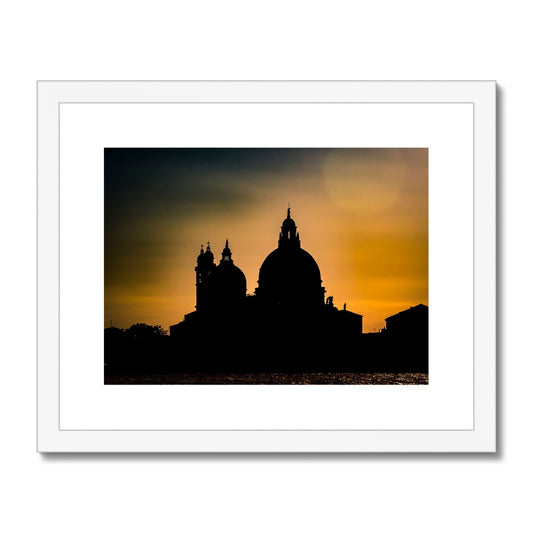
{"type": "Point", "coordinates": [361, 213]}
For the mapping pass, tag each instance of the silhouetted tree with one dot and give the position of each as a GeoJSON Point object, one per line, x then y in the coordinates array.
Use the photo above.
{"type": "Point", "coordinates": [113, 333]}
{"type": "Point", "coordinates": [141, 347]}
{"type": "Point", "coordinates": [145, 331]}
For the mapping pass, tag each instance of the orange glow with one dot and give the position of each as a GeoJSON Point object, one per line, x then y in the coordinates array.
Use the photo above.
{"type": "Point", "coordinates": [361, 213]}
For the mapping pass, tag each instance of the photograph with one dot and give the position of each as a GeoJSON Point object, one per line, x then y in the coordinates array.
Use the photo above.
{"type": "Point", "coordinates": [266, 266]}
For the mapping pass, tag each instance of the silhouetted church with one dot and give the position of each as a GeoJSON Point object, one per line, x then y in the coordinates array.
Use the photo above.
{"type": "Point", "coordinates": [289, 282]}
{"type": "Point", "coordinates": [286, 317]}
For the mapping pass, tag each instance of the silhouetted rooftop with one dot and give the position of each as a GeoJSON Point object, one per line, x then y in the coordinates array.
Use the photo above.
{"type": "Point", "coordinates": [415, 309]}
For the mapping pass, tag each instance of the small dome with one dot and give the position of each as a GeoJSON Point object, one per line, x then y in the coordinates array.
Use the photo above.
{"type": "Point", "coordinates": [227, 283]}
{"type": "Point", "coordinates": [228, 273]}
{"type": "Point", "coordinates": [208, 254]}
{"type": "Point", "coordinates": [288, 225]}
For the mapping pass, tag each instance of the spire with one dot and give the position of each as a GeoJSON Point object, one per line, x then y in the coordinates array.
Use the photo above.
{"type": "Point", "coordinates": [226, 253]}
{"type": "Point", "coordinates": [206, 256]}
{"type": "Point", "coordinates": [202, 256]}
{"type": "Point", "coordinates": [288, 236]}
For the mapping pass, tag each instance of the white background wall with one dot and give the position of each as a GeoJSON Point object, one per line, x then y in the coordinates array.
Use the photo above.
{"type": "Point", "coordinates": [272, 40]}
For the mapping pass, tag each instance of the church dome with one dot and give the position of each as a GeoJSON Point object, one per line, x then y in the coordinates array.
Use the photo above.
{"type": "Point", "coordinates": [289, 224]}
{"type": "Point", "coordinates": [227, 282]}
{"type": "Point", "coordinates": [206, 257]}
{"type": "Point", "coordinates": [290, 272]}
{"type": "Point", "coordinates": [201, 256]}
{"type": "Point", "coordinates": [208, 254]}
{"type": "Point", "coordinates": [289, 275]}
{"type": "Point", "coordinates": [229, 276]}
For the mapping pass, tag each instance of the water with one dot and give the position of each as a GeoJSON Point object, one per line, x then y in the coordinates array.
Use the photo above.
{"type": "Point", "coordinates": [278, 378]}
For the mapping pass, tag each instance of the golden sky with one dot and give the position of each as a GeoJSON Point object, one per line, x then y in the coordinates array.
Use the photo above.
{"type": "Point", "coordinates": [362, 213]}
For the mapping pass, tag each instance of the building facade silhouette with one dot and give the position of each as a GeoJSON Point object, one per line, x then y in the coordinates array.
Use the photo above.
{"type": "Point", "coordinates": [289, 284]}
{"type": "Point", "coordinates": [411, 322]}
{"type": "Point", "coordinates": [285, 317]}
{"type": "Point", "coordinates": [287, 324]}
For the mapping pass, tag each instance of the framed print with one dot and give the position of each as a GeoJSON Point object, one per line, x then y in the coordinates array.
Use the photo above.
{"type": "Point", "coordinates": [266, 266]}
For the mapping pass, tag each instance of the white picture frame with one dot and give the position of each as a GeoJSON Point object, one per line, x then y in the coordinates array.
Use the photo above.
{"type": "Point", "coordinates": [457, 411]}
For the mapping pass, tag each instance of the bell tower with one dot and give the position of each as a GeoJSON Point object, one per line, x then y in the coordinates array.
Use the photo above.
{"type": "Point", "coordinates": [204, 268]}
